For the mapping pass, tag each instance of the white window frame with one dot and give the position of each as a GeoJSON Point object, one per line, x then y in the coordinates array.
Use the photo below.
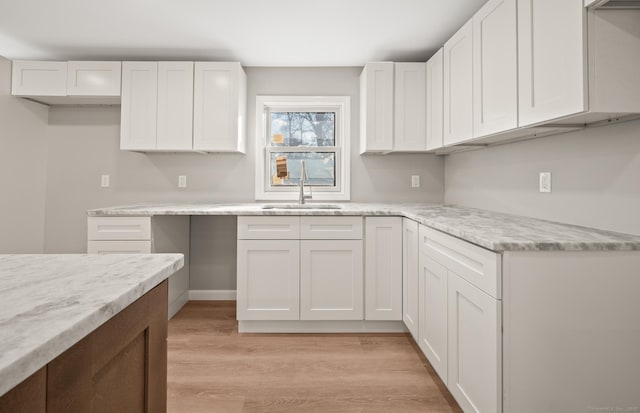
{"type": "Point", "coordinates": [342, 106]}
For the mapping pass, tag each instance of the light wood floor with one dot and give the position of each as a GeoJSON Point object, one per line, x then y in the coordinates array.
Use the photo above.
{"type": "Point", "coordinates": [212, 368]}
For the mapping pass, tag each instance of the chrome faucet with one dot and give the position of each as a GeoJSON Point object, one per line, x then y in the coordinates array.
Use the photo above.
{"type": "Point", "coordinates": [303, 177]}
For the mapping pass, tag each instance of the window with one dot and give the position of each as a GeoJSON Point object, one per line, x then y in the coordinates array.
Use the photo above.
{"type": "Point", "coordinates": [295, 128]}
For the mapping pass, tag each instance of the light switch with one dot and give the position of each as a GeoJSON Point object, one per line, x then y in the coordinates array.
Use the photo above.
{"type": "Point", "coordinates": [182, 181]}
{"type": "Point", "coordinates": [415, 181]}
{"type": "Point", "coordinates": [545, 181]}
{"type": "Point", "coordinates": [104, 181]}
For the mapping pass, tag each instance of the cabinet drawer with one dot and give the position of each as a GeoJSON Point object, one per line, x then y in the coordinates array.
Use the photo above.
{"type": "Point", "coordinates": [268, 227]}
{"type": "Point", "coordinates": [477, 265]}
{"type": "Point", "coordinates": [331, 227]}
{"type": "Point", "coordinates": [119, 247]}
{"type": "Point", "coordinates": [118, 228]}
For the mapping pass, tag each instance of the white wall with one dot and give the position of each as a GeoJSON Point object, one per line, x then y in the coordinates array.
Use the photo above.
{"type": "Point", "coordinates": [23, 159]}
{"type": "Point", "coordinates": [595, 178]}
{"type": "Point", "coordinates": [84, 143]}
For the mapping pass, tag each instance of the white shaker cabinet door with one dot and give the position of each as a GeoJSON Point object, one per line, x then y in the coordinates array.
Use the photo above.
{"type": "Point", "coordinates": [376, 107]}
{"type": "Point", "coordinates": [175, 106]}
{"type": "Point", "coordinates": [432, 313]}
{"type": "Point", "coordinates": [458, 86]}
{"type": "Point", "coordinates": [410, 276]}
{"type": "Point", "coordinates": [219, 117]}
{"type": "Point", "coordinates": [552, 64]}
{"type": "Point", "coordinates": [268, 280]}
{"type": "Point", "coordinates": [410, 107]}
{"type": "Point", "coordinates": [331, 280]}
{"type": "Point", "coordinates": [94, 78]}
{"type": "Point", "coordinates": [435, 100]}
{"type": "Point", "coordinates": [138, 124]}
{"type": "Point", "coordinates": [38, 78]}
{"type": "Point", "coordinates": [383, 268]}
{"type": "Point", "coordinates": [474, 347]}
{"type": "Point", "coordinates": [495, 70]}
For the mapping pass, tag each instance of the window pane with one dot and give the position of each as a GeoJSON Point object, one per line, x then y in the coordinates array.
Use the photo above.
{"type": "Point", "coordinates": [321, 168]}
{"type": "Point", "coordinates": [303, 129]}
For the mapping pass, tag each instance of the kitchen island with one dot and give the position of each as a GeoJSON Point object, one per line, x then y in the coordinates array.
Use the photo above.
{"type": "Point", "coordinates": [83, 332]}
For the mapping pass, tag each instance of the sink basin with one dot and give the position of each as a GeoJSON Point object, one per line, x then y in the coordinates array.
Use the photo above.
{"type": "Point", "coordinates": [302, 206]}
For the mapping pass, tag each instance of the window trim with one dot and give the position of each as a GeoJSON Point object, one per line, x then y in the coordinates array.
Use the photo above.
{"type": "Point", "coordinates": [342, 191]}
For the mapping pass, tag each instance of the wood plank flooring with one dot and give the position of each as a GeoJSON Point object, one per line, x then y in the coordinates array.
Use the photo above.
{"type": "Point", "coordinates": [212, 368]}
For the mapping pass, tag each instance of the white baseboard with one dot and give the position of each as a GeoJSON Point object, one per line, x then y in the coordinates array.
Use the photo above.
{"type": "Point", "coordinates": [339, 326]}
{"type": "Point", "coordinates": [212, 295]}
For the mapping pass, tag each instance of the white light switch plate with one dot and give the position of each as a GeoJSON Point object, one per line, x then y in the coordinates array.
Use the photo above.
{"type": "Point", "coordinates": [545, 181]}
{"type": "Point", "coordinates": [415, 181]}
{"type": "Point", "coordinates": [182, 181]}
{"type": "Point", "coordinates": [104, 181]}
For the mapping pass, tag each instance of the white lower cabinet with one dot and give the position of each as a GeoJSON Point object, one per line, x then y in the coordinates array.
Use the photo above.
{"type": "Point", "coordinates": [118, 247]}
{"type": "Point", "coordinates": [474, 347]}
{"type": "Point", "coordinates": [331, 280]}
{"type": "Point", "coordinates": [432, 302]}
{"type": "Point", "coordinates": [410, 266]}
{"type": "Point", "coordinates": [268, 280]}
{"type": "Point", "coordinates": [383, 268]}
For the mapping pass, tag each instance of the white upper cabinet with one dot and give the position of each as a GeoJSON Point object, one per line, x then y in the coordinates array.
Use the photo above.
{"type": "Point", "coordinates": [551, 59]}
{"type": "Point", "coordinates": [175, 106]}
{"type": "Point", "coordinates": [458, 86]}
{"type": "Point", "coordinates": [376, 107]}
{"type": "Point", "coordinates": [220, 98]}
{"type": "Point", "coordinates": [410, 107]}
{"type": "Point", "coordinates": [435, 100]}
{"type": "Point", "coordinates": [93, 78]}
{"type": "Point", "coordinates": [495, 70]}
{"type": "Point", "coordinates": [33, 78]}
{"type": "Point", "coordinates": [138, 124]}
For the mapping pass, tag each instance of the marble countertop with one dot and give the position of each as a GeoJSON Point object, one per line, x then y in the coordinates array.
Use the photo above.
{"type": "Point", "coordinates": [50, 302]}
{"type": "Point", "coordinates": [492, 230]}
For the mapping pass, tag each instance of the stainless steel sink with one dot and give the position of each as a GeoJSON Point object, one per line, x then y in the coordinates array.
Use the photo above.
{"type": "Point", "coordinates": [301, 206]}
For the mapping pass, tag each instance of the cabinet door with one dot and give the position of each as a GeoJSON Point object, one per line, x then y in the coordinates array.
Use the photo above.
{"type": "Point", "coordinates": [458, 89]}
{"type": "Point", "coordinates": [432, 313]}
{"type": "Point", "coordinates": [268, 280]}
{"type": "Point", "coordinates": [219, 107]}
{"type": "Point", "coordinates": [376, 107]}
{"type": "Point", "coordinates": [474, 347]}
{"type": "Point", "coordinates": [93, 78]}
{"type": "Point", "coordinates": [410, 276]}
{"type": "Point", "coordinates": [551, 65]}
{"type": "Point", "coordinates": [495, 68]}
{"type": "Point", "coordinates": [331, 280]}
{"type": "Point", "coordinates": [175, 106]}
{"type": "Point", "coordinates": [383, 268]}
{"type": "Point", "coordinates": [33, 78]}
{"type": "Point", "coordinates": [410, 107]}
{"type": "Point", "coordinates": [138, 121]}
{"type": "Point", "coordinates": [435, 100]}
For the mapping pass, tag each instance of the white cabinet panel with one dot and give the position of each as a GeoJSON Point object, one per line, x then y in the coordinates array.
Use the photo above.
{"type": "Point", "coordinates": [175, 106]}
{"type": "Point", "coordinates": [118, 228]}
{"type": "Point", "coordinates": [118, 247]}
{"type": "Point", "coordinates": [458, 86]}
{"type": "Point", "coordinates": [410, 107]}
{"type": "Point", "coordinates": [331, 280]}
{"type": "Point", "coordinates": [376, 107]}
{"type": "Point", "coordinates": [93, 78]}
{"type": "Point", "coordinates": [138, 122]}
{"type": "Point", "coordinates": [268, 280]}
{"type": "Point", "coordinates": [435, 100]}
{"type": "Point", "coordinates": [410, 264]}
{"type": "Point", "coordinates": [474, 347]}
{"type": "Point", "coordinates": [495, 70]}
{"type": "Point", "coordinates": [432, 297]}
{"type": "Point", "coordinates": [33, 78]}
{"type": "Point", "coordinates": [331, 227]}
{"type": "Point", "coordinates": [383, 268]}
{"type": "Point", "coordinates": [551, 65]}
{"type": "Point", "coordinates": [268, 227]}
{"type": "Point", "coordinates": [219, 118]}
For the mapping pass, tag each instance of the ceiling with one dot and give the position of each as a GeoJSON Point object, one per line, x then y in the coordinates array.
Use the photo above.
{"type": "Point", "coordinates": [254, 32]}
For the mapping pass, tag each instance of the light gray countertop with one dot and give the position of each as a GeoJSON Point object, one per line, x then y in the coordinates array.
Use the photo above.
{"type": "Point", "coordinates": [492, 230]}
{"type": "Point", "coordinates": [50, 302]}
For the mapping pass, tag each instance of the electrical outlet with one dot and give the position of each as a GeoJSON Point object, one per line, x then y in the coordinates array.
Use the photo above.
{"type": "Point", "coordinates": [104, 181]}
{"type": "Point", "coordinates": [415, 181]}
{"type": "Point", "coordinates": [182, 181]}
{"type": "Point", "coordinates": [545, 181]}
